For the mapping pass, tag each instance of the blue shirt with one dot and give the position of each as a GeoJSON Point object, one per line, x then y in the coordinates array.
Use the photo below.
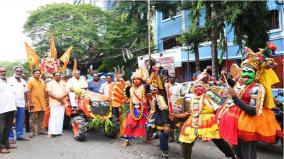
{"type": "Point", "coordinates": [94, 86]}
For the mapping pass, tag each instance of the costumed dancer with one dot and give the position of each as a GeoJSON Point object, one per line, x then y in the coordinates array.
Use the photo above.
{"type": "Point", "coordinates": [158, 76]}
{"type": "Point", "coordinates": [201, 121]}
{"type": "Point", "coordinates": [118, 91]}
{"type": "Point", "coordinates": [118, 96]}
{"type": "Point", "coordinates": [249, 118]}
{"type": "Point", "coordinates": [135, 125]}
{"type": "Point", "coordinates": [159, 118]}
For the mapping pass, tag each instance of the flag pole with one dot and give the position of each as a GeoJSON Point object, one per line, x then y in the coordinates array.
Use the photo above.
{"type": "Point", "coordinates": [149, 29]}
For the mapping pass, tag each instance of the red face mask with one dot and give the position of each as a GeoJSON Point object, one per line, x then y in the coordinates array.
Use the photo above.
{"type": "Point", "coordinates": [199, 90]}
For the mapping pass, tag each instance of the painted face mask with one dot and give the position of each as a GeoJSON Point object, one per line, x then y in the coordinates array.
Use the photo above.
{"type": "Point", "coordinates": [199, 90]}
{"type": "Point", "coordinates": [248, 75]}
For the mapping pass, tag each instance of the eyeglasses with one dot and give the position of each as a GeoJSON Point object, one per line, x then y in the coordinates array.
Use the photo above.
{"type": "Point", "coordinates": [20, 71]}
{"type": "Point", "coordinates": [3, 71]}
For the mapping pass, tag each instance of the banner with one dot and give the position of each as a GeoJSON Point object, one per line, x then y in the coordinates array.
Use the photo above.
{"type": "Point", "coordinates": [53, 52]}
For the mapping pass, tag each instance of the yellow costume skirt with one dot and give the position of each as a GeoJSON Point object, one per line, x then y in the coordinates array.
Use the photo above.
{"type": "Point", "coordinates": [208, 130]}
{"type": "Point", "coordinates": [263, 127]}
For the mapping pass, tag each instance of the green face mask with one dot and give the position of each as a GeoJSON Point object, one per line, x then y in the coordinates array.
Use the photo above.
{"type": "Point", "coordinates": [248, 75]}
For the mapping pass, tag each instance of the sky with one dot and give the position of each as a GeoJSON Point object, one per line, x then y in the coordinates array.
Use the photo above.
{"type": "Point", "coordinates": [13, 15]}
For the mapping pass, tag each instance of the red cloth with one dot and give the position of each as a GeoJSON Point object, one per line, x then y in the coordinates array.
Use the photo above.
{"type": "Point", "coordinates": [228, 125]}
{"type": "Point", "coordinates": [228, 122]}
{"type": "Point", "coordinates": [46, 118]}
{"type": "Point", "coordinates": [135, 128]}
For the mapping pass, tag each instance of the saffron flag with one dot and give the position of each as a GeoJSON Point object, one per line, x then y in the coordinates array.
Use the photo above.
{"type": "Point", "coordinates": [32, 57]}
{"type": "Point", "coordinates": [65, 57]}
{"type": "Point", "coordinates": [53, 52]}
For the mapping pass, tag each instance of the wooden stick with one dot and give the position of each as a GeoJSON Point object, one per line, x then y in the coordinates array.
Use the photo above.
{"type": "Point", "coordinates": [225, 79]}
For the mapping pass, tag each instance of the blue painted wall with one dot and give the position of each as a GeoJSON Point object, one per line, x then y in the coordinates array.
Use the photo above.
{"type": "Point", "coordinates": [172, 27]}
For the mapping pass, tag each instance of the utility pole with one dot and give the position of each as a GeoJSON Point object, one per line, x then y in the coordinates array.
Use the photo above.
{"type": "Point", "coordinates": [149, 29]}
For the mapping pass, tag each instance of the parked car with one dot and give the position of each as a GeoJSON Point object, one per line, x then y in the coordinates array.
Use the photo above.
{"type": "Point", "coordinates": [186, 87]}
{"type": "Point", "coordinates": [278, 95]}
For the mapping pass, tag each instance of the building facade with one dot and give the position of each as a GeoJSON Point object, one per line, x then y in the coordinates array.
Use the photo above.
{"type": "Point", "coordinates": [166, 29]}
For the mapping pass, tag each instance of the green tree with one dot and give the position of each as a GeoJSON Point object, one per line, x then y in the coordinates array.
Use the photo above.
{"type": "Point", "coordinates": [248, 19]}
{"type": "Point", "coordinates": [79, 25]}
{"type": "Point", "coordinates": [120, 36]}
{"type": "Point", "coordinates": [196, 34]}
{"type": "Point", "coordinates": [10, 65]}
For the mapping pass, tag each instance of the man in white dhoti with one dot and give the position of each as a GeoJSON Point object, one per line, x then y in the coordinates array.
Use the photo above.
{"type": "Point", "coordinates": [57, 91]}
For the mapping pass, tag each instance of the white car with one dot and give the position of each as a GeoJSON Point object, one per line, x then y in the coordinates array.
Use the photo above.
{"type": "Point", "coordinates": [186, 87]}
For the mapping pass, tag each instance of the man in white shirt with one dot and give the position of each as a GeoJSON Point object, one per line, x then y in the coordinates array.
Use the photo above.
{"type": "Point", "coordinates": [73, 83]}
{"type": "Point", "coordinates": [19, 87]}
{"type": "Point", "coordinates": [106, 87]}
{"type": "Point", "coordinates": [175, 91]}
{"type": "Point", "coordinates": [7, 110]}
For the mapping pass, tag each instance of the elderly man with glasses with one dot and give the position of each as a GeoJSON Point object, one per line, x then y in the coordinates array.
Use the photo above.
{"type": "Point", "coordinates": [20, 90]}
{"type": "Point", "coordinates": [76, 82]}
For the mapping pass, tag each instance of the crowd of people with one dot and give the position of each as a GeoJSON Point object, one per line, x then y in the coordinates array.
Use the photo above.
{"type": "Point", "coordinates": [234, 112]}
{"type": "Point", "coordinates": [36, 106]}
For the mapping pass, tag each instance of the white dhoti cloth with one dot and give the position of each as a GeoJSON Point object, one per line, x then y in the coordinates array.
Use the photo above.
{"type": "Point", "coordinates": [72, 98]}
{"type": "Point", "coordinates": [55, 124]}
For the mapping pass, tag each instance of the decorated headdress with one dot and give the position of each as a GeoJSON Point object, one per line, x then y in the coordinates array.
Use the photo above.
{"type": "Point", "coordinates": [119, 71]}
{"type": "Point", "coordinates": [263, 64]}
{"type": "Point", "coordinates": [258, 60]}
{"type": "Point", "coordinates": [154, 85]}
{"type": "Point", "coordinates": [141, 73]}
{"type": "Point", "coordinates": [137, 74]}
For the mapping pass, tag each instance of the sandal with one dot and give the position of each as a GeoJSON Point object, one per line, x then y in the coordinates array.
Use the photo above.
{"type": "Point", "coordinates": [4, 151]}
{"type": "Point", "coordinates": [11, 147]}
{"type": "Point", "coordinates": [125, 144]}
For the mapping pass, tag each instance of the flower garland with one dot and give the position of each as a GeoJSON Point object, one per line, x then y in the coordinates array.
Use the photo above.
{"type": "Point", "coordinates": [196, 109]}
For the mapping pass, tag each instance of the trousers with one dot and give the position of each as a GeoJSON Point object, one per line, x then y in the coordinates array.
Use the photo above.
{"type": "Point", "coordinates": [6, 123]}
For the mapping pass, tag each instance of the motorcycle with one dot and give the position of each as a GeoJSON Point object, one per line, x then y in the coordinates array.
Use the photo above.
{"type": "Point", "coordinates": [278, 110]}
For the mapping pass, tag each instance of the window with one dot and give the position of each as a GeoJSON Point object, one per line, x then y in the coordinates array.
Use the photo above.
{"type": "Point", "coordinates": [169, 43]}
{"type": "Point", "coordinates": [274, 20]}
{"type": "Point", "coordinates": [171, 13]}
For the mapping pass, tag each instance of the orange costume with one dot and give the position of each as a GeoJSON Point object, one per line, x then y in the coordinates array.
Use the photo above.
{"type": "Point", "coordinates": [248, 117]}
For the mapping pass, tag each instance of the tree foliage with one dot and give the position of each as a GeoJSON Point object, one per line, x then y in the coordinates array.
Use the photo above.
{"type": "Point", "coordinates": [10, 65]}
{"type": "Point", "coordinates": [120, 36]}
{"type": "Point", "coordinates": [248, 19]}
{"type": "Point", "coordinates": [79, 25]}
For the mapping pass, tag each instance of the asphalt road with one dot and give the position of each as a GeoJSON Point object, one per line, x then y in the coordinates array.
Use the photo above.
{"type": "Point", "coordinates": [100, 147]}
